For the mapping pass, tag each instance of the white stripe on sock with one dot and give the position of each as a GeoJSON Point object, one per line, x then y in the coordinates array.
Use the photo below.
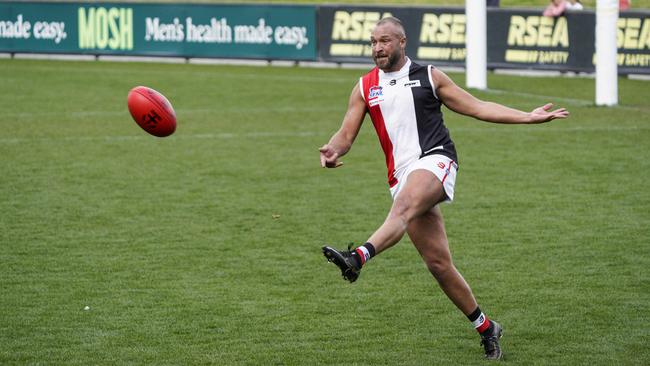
{"type": "Point", "coordinates": [366, 253]}
{"type": "Point", "coordinates": [479, 321]}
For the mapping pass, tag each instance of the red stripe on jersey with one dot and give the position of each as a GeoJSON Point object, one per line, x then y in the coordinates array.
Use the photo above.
{"type": "Point", "coordinates": [370, 80]}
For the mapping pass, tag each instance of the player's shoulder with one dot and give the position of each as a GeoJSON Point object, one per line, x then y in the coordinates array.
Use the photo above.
{"type": "Point", "coordinates": [371, 72]}
{"type": "Point", "coordinates": [419, 69]}
{"type": "Point", "coordinates": [368, 79]}
{"type": "Point", "coordinates": [418, 66]}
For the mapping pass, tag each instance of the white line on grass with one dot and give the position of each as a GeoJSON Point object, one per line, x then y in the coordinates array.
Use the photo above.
{"type": "Point", "coordinates": [581, 102]}
{"type": "Point", "coordinates": [179, 111]}
{"type": "Point", "coordinates": [223, 135]}
{"type": "Point", "coordinates": [217, 74]}
{"type": "Point", "coordinates": [554, 99]}
{"type": "Point", "coordinates": [552, 129]}
{"type": "Point", "coordinates": [272, 134]}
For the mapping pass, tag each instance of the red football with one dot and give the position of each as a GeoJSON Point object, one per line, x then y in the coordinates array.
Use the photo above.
{"type": "Point", "coordinates": [152, 111]}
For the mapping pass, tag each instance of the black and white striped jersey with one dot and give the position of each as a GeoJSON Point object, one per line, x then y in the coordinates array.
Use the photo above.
{"type": "Point", "coordinates": [405, 111]}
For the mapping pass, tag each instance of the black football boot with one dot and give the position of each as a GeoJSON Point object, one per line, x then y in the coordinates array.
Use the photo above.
{"type": "Point", "coordinates": [346, 260]}
{"type": "Point", "coordinates": [490, 342]}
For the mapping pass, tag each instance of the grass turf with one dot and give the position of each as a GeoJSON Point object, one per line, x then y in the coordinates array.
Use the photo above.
{"type": "Point", "coordinates": [204, 247]}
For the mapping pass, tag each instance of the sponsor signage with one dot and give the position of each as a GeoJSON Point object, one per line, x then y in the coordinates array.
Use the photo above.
{"type": "Point", "coordinates": [433, 34]}
{"type": "Point", "coordinates": [441, 37]}
{"type": "Point", "coordinates": [344, 31]}
{"type": "Point", "coordinates": [526, 39]}
{"type": "Point", "coordinates": [241, 31]}
{"type": "Point", "coordinates": [565, 43]}
{"type": "Point", "coordinates": [516, 38]}
{"type": "Point", "coordinates": [633, 40]}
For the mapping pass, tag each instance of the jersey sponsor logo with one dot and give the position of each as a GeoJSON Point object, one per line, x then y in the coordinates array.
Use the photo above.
{"type": "Point", "coordinates": [412, 84]}
{"type": "Point", "coordinates": [392, 82]}
{"type": "Point", "coordinates": [375, 92]}
{"type": "Point", "coordinates": [441, 165]}
{"type": "Point", "coordinates": [375, 95]}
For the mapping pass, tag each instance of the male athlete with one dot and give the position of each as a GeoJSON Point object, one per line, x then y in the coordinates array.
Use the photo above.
{"type": "Point", "coordinates": [404, 100]}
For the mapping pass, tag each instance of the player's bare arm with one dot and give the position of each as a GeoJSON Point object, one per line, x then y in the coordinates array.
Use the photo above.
{"type": "Point", "coordinates": [460, 101]}
{"type": "Point", "coordinates": [342, 140]}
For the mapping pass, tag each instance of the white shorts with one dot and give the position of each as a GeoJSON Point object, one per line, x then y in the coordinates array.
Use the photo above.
{"type": "Point", "coordinates": [441, 166]}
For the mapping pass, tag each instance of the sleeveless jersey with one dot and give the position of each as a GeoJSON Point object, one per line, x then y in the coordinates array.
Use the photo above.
{"type": "Point", "coordinates": [405, 111]}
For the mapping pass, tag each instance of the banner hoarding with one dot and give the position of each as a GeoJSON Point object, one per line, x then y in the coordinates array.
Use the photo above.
{"type": "Point", "coordinates": [516, 38]}
{"type": "Point", "coordinates": [236, 31]}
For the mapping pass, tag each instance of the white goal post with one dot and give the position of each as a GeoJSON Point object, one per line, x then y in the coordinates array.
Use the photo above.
{"type": "Point", "coordinates": [606, 49]}
{"type": "Point", "coordinates": [606, 53]}
{"type": "Point", "coordinates": [476, 44]}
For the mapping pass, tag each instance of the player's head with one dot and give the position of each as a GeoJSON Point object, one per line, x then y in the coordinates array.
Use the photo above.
{"type": "Point", "coordinates": [388, 41]}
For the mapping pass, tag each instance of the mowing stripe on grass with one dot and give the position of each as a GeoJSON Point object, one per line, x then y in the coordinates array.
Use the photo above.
{"type": "Point", "coordinates": [221, 110]}
{"type": "Point", "coordinates": [217, 74]}
{"type": "Point", "coordinates": [225, 135]}
{"type": "Point", "coordinates": [269, 134]}
{"type": "Point", "coordinates": [577, 102]}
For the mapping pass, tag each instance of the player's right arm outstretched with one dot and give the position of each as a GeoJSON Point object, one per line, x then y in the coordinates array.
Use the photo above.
{"type": "Point", "coordinates": [342, 140]}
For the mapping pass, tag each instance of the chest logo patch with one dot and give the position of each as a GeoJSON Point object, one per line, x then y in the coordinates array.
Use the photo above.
{"type": "Point", "coordinates": [412, 84]}
{"type": "Point", "coordinates": [375, 95]}
{"type": "Point", "coordinates": [375, 92]}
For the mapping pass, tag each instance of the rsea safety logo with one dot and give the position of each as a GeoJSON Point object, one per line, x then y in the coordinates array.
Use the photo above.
{"type": "Point", "coordinates": [102, 28]}
{"type": "Point", "coordinates": [442, 37]}
{"type": "Point", "coordinates": [351, 32]}
{"type": "Point", "coordinates": [633, 42]}
{"type": "Point", "coordinates": [539, 32]}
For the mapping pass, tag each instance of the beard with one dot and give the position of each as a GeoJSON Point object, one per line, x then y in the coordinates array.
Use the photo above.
{"type": "Point", "coordinates": [387, 63]}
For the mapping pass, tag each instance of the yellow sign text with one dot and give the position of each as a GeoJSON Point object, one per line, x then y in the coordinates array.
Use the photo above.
{"type": "Point", "coordinates": [538, 31]}
{"type": "Point", "coordinates": [101, 28]}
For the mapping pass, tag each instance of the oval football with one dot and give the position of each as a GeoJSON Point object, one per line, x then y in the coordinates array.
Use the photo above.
{"type": "Point", "coordinates": [151, 111]}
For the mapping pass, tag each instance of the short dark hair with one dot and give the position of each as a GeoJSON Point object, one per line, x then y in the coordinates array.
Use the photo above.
{"type": "Point", "coordinates": [394, 21]}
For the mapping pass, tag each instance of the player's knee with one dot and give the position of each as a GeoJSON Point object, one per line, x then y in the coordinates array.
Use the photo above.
{"type": "Point", "coordinates": [402, 209]}
{"type": "Point", "coordinates": [439, 267]}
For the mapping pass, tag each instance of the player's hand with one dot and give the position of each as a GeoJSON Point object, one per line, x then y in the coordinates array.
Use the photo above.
{"type": "Point", "coordinates": [544, 114]}
{"type": "Point", "coordinates": [329, 158]}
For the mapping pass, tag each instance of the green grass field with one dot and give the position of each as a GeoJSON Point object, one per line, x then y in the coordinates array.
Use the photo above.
{"type": "Point", "coordinates": [204, 247]}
